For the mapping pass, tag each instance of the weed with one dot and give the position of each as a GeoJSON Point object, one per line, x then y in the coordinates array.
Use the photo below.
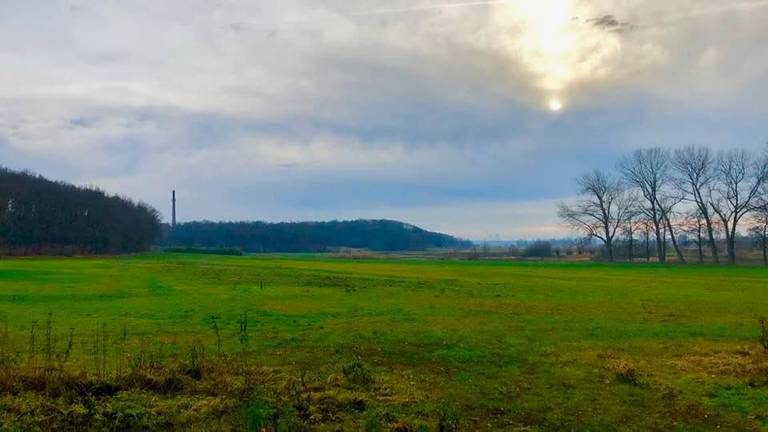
{"type": "Point", "coordinates": [358, 373]}
{"type": "Point", "coordinates": [32, 344]}
{"type": "Point", "coordinates": [67, 349]}
{"type": "Point", "coordinates": [258, 415]}
{"type": "Point", "coordinates": [373, 422]}
{"type": "Point", "coordinates": [289, 420]}
{"type": "Point", "coordinates": [447, 418]}
{"type": "Point", "coordinates": [763, 334]}
{"type": "Point", "coordinates": [422, 427]}
{"type": "Point", "coordinates": [243, 334]}
{"type": "Point", "coordinates": [121, 353]}
{"type": "Point", "coordinates": [48, 348]}
{"type": "Point", "coordinates": [626, 373]}
{"type": "Point", "coordinates": [196, 356]}
{"type": "Point", "coordinates": [217, 334]}
{"type": "Point", "coordinates": [99, 349]}
{"type": "Point", "coordinates": [6, 349]}
{"type": "Point", "coordinates": [104, 348]}
{"type": "Point", "coordinates": [139, 361]}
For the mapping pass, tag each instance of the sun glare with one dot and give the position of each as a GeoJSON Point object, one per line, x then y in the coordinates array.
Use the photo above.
{"type": "Point", "coordinates": [555, 45]}
{"type": "Point", "coordinates": [555, 105]}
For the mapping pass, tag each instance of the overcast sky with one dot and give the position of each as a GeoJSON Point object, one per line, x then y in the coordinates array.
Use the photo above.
{"type": "Point", "coordinates": [472, 119]}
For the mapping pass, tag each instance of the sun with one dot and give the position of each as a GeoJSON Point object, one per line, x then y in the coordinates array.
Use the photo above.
{"type": "Point", "coordinates": [558, 45]}
{"type": "Point", "coordinates": [555, 105]}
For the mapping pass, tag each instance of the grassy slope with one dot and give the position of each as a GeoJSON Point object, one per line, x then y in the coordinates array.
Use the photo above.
{"type": "Point", "coordinates": [509, 344]}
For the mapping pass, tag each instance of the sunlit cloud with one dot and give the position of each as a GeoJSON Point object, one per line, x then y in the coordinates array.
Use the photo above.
{"type": "Point", "coordinates": [429, 7]}
{"type": "Point", "coordinates": [556, 45]}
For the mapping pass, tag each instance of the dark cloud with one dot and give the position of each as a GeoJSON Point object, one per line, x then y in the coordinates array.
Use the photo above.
{"type": "Point", "coordinates": [610, 23]}
{"type": "Point", "coordinates": [82, 122]}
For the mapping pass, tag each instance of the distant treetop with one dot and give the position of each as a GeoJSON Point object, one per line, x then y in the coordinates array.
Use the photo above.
{"type": "Point", "coordinates": [376, 235]}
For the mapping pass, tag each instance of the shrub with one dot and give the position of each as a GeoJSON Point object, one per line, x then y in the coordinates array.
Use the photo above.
{"type": "Point", "coordinates": [539, 249]}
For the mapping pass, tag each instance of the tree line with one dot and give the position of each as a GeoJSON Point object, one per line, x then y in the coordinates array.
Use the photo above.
{"type": "Point", "coordinates": [39, 216]}
{"type": "Point", "coordinates": [691, 192]}
{"type": "Point", "coordinates": [376, 235]}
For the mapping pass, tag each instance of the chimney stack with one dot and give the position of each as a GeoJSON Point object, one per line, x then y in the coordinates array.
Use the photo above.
{"type": "Point", "coordinates": [173, 216]}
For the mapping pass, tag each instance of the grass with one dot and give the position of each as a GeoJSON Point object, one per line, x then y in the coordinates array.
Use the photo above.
{"type": "Point", "coordinates": [381, 344]}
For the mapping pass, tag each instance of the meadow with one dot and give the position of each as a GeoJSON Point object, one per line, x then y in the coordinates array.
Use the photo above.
{"type": "Point", "coordinates": [290, 343]}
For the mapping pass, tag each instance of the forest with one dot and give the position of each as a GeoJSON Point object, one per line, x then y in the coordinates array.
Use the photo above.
{"type": "Point", "coordinates": [376, 235]}
{"type": "Point", "coordinates": [43, 217]}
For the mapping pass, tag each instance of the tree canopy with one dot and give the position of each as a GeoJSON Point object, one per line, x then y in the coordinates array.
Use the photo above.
{"type": "Point", "coordinates": [40, 216]}
{"type": "Point", "coordinates": [376, 235]}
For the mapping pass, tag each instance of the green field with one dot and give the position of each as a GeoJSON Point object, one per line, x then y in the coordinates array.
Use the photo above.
{"type": "Point", "coordinates": [380, 345]}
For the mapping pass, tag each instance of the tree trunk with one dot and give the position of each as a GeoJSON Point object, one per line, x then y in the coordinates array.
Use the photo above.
{"type": "Point", "coordinates": [700, 242]}
{"type": "Point", "coordinates": [765, 246]}
{"type": "Point", "coordinates": [631, 247]}
{"type": "Point", "coordinates": [608, 238]}
{"type": "Point", "coordinates": [732, 246]}
{"type": "Point", "coordinates": [609, 248]}
{"type": "Point", "coordinates": [704, 210]}
{"type": "Point", "coordinates": [659, 243]}
{"type": "Point", "coordinates": [647, 247]}
{"type": "Point", "coordinates": [731, 252]}
{"type": "Point", "coordinates": [674, 239]}
{"type": "Point", "coordinates": [712, 242]}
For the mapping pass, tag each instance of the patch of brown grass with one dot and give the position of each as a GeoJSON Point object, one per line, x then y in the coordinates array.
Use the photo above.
{"type": "Point", "coordinates": [626, 372]}
{"type": "Point", "coordinates": [729, 361]}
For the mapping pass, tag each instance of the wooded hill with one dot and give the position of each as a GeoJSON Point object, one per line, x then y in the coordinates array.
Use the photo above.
{"type": "Point", "coordinates": [375, 235]}
{"type": "Point", "coordinates": [40, 216]}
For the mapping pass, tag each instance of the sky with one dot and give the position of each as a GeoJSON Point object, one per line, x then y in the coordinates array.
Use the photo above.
{"type": "Point", "coordinates": [471, 118]}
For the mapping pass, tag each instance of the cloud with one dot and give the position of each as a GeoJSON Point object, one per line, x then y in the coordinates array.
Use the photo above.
{"type": "Point", "coordinates": [484, 220]}
{"type": "Point", "coordinates": [291, 109]}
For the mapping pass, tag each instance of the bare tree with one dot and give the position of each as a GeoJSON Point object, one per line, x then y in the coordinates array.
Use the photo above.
{"type": "Point", "coordinates": [696, 176]}
{"type": "Point", "coordinates": [740, 178]}
{"type": "Point", "coordinates": [649, 171]}
{"type": "Point", "coordinates": [760, 227]}
{"type": "Point", "coordinates": [602, 210]}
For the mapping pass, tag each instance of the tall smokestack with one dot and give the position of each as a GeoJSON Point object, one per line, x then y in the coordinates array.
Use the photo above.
{"type": "Point", "coordinates": [173, 216]}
